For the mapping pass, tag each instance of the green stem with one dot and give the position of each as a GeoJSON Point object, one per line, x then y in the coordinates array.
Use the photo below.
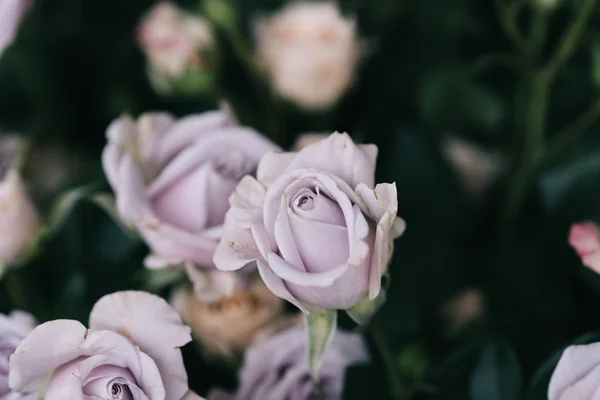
{"type": "Point", "coordinates": [507, 16]}
{"type": "Point", "coordinates": [573, 131]}
{"type": "Point", "coordinates": [568, 43]}
{"type": "Point", "coordinates": [539, 27]}
{"type": "Point", "coordinates": [387, 356]}
{"type": "Point", "coordinates": [532, 146]}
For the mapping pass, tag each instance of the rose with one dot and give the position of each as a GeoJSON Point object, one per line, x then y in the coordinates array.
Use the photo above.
{"type": "Point", "coordinates": [318, 231]}
{"type": "Point", "coordinates": [13, 328]}
{"type": "Point", "coordinates": [584, 237]}
{"type": "Point", "coordinates": [18, 214]}
{"type": "Point", "coordinates": [310, 51]}
{"type": "Point", "coordinates": [130, 352]}
{"type": "Point", "coordinates": [229, 325]}
{"type": "Point", "coordinates": [276, 368]}
{"type": "Point", "coordinates": [179, 47]}
{"type": "Point", "coordinates": [11, 15]}
{"type": "Point", "coordinates": [172, 179]}
{"type": "Point", "coordinates": [577, 374]}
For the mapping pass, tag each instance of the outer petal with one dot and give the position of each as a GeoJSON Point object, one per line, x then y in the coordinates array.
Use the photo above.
{"type": "Point", "coordinates": [152, 324]}
{"type": "Point", "coordinates": [47, 347]}
{"type": "Point", "coordinates": [311, 279]}
{"type": "Point", "coordinates": [272, 165]}
{"type": "Point", "coordinates": [381, 204]}
{"type": "Point", "coordinates": [276, 285]}
{"type": "Point", "coordinates": [577, 374]}
{"type": "Point", "coordinates": [338, 155]}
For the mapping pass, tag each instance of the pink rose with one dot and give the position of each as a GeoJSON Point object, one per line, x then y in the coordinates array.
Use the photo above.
{"type": "Point", "coordinates": [131, 351]}
{"type": "Point", "coordinates": [577, 375]}
{"type": "Point", "coordinates": [11, 14]}
{"type": "Point", "coordinates": [585, 239]}
{"type": "Point", "coordinates": [316, 225]}
{"type": "Point", "coordinates": [172, 179]}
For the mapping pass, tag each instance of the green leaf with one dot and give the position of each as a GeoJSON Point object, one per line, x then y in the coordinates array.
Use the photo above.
{"type": "Point", "coordinates": [320, 327]}
{"type": "Point", "coordinates": [362, 312]}
{"type": "Point", "coordinates": [497, 375]}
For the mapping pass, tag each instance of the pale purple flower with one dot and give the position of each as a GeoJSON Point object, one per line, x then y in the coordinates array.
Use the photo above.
{"type": "Point", "coordinates": [172, 179]}
{"type": "Point", "coordinates": [584, 237]}
{"type": "Point", "coordinates": [577, 375]}
{"type": "Point", "coordinates": [131, 351]}
{"type": "Point", "coordinates": [316, 225]}
{"type": "Point", "coordinates": [13, 328]}
{"type": "Point", "coordinates": [277, 368]}
{"type": "Point", "coordinates": [11, 15]}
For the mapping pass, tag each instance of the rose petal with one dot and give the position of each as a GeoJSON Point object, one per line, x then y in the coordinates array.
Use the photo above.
{"type": "Point", "coordinates": [272, 165]}
{"type": "Point", "coordinates": [311, 279]}
{"type": "Point", "coordinates": [236, 249]}
{"type": "Point", "coordinates": [47, 347]}
{"type": "Point", "coordinates": [65, 383]}
{"type": "Point", "coordinates": [338, 155]}
{"type": "Point", "coordinates": [576, 375]}
{"type": "Point", "coordinates": [154, 326]}
{"type": "Point", "coordinates": [276, 285]}
{"type": "Point", "coordinates": [246, 202]}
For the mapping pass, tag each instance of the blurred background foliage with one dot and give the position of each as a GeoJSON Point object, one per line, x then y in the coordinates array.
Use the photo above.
{"type": "Point", "coordinates": [519, 78]}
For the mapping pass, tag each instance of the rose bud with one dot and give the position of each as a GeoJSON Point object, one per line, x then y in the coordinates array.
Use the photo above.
{"type": "Point", "coordinates": [477, 168]}
{"type": "Point", "coordinates": [310, 52]}
{"type": "Point", "coordinates": [180, 50]}
{"type": "Point", "coordinates": [577, 375]}
{"type": "Point", "coordinates": [11, 15]}
{"type": "Point", "coordinates": [131, 351]}
{"type": "Point", "coordinates": [318, 228]}
{"type": "Point", "coordinates": [228, 326]}
{"type": "Point", "coordinates": [172, 179]}
{"type": "Point", "coordinates": [19, 220]}
{"type": "Point", "coordinates": [276, 368]}
{"type": "Point", "coordinates": [585, 239]}
{"type": "Point", "coordinates": [13, 328]}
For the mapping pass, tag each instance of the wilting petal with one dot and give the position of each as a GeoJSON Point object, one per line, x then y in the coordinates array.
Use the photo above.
{"type": "Point", "coordinates": [154, 326]}
{"type": "Point", "coordinates": [47, 347]}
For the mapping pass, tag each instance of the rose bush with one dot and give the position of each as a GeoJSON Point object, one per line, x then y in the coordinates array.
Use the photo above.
{"type": "Point", "coordinates": [172, 178]}
{"type": "Point", "coordinates": [131, 351]}
{"type": "Point", "coordinates": [316, 225]}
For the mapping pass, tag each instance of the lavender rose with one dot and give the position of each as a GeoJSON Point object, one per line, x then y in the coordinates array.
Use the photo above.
{"type": "Point", "coordinates": [577, 375]}
{"type": "Point", "coordinates": [13, 328]}
{"type": "Point", "coordinates": [277, 369]}
{"type": "Point", "coordinates": [316, 225]}
{"type": "Point", "coordinates": [172, 179]}
{"type": "Point", "coordinates": [130, 352]}
{"type": "Point", "coordinates": [11, 14]}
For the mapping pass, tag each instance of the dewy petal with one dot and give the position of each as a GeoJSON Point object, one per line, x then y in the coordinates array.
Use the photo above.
{"type": "Point", "coordinates": [154, 326]}
{"type": "Point", "coordinates": [272, 165]}
{"type": "Point", "coordinates": [338, 155]}
{"type": "Point", "coordinates": [576, 374]}
{"type": "Point", "coordinates": [276, 285]}
{"type": "Point", "coordinates": [311, 279]}
{"type": "Point", "coordinates": [47, 347]}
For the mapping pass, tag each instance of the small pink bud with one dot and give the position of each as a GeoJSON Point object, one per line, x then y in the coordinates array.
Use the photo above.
{"type": "Point", "coordinates": [584, 237]}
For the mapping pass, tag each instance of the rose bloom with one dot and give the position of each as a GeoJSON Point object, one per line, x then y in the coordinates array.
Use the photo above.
{"type": "Point", "coordinates": [228, 326]}
{"type": "Point", "coordinates": [174, 42]}
{"type": "Point", "coordinates": [277, 368]}
{"type": "Point", "coordinates": [172, 179]}
{"type": "Point", "coordinates": [13, 328]}
{"type": "Point", "coordinates": [18, 214]}
{"type": "Point", "coordinates": [577, 375]}
{"type": "Point", "coordinates": [131, 351]}
{"type": "Point", "coordinates": [316, 225]}
{"type": "Point", "coordinates": [11, 15]}
{"type": "Point", "coordinates": [584, 237]}
{"type": "Point", "coordinates": [308, 138]}
{"type": "Point", "coordinates": [310, 52]}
